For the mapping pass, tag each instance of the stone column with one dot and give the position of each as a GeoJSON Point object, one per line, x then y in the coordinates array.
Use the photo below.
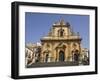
{"type": "Point", "coordinates": [79, 48]}
{"type": "Point", "coordinates": [57, 56]}
{"type": "Point", "coordinates": [53, 60]}
{"type": "Point", "coordinates": [80, 56]}
{"type": "Point", "coordinates": [66, 53]}
{"type": "Point", "coordinates": [69, 52]}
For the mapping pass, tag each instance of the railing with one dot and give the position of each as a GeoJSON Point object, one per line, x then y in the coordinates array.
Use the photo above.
{"type": "Point", "coordinates": [60, 38]}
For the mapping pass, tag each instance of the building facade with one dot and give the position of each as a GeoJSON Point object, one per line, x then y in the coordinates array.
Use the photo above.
{"type": "Point", "coordinates": [32, 53]}
{"type": "Point", "coordinates": [61, 44]}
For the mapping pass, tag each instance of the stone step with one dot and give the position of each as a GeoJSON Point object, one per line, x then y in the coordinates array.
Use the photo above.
{"type": "Point", "coordinates": [53, 64]}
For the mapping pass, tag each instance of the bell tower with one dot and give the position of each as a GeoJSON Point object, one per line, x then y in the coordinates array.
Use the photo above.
{"type": "Point", "coordinates": [61, 29]}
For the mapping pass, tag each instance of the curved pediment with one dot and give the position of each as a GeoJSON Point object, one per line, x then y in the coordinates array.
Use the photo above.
{"type": "Point", "coordinates": [61, 45]}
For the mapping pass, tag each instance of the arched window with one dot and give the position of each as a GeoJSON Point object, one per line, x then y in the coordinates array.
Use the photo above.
{"type": "Point", "coordinates": [61, 32]}
{"type": "Point", "coordinates": [47, 55]}
{"type": "Point", "coordinates": [75, 55]}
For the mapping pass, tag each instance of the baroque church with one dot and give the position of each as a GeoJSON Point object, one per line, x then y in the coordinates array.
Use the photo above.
{"type": "Point", "coordinates": [61, 44]}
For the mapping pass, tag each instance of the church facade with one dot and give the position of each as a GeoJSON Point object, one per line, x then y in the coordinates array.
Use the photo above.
{"type": "Point", "coordinates": [61, 44]}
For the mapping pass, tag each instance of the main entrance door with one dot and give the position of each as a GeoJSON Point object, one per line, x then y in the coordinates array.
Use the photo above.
{"type": "Point", "coordinates": [61, 56]}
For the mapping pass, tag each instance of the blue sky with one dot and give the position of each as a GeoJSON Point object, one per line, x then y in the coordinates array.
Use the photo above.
{"type": "Point", "coordinates": [39, 24]}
